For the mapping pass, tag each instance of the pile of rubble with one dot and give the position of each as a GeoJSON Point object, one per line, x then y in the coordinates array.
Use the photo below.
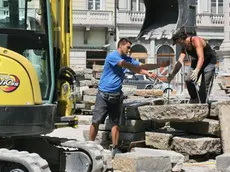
{"type": "Point", "coordinates": [167, 134]}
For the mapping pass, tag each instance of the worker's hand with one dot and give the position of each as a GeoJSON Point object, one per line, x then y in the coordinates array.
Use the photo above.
{"type": "Point", "coordinates": [164, 64]}
{"type": "Point", "coordinates": [152, 75]}
{"type": "Point", "coordinates": [194, 75]}
{"type": "Point", "coordinates": [170, 77]}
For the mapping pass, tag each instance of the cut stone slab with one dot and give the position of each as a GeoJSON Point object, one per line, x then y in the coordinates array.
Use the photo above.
{"type": "Point", "coordinates": [137, 162]}
{"type": "Point", "coordinates": [177, 159]}
{"type": "Point", "coordinates": [177, 112]}
{"type": "Point", "coordinates": [223, 162]}
{"type": "Point", "coordinates": [129, 137]}
{"type": "Point", "coordinates": [162, 138]}
{"type": "Point", "coordinates": [206, 127]}
{"type": "Point", "coordinates": [131, 106]}
{"type": "Point", "coordinates": [196, 145]}
{"type": "Point", "coordinates": [91, 92]}
{"type": "Point", "coordinates": [207, 166]}
{"type": "Point", "coordinates": [129, 126]}
{"type": "Point", "coordinates": [89, 99]}
{"type": "Point", "coordinates": [158, 140]}
{"type": "Point", "coordinates": [85, 83]}
{"type": "Point", "coordinates": [152, 92]}
{"type": "Point", "coordinates": [88, 76]}
{"type": "Point", "coordinates": [129, 90]}
{"type": "Point", "coordinates": [214, 107]}
{"type": "Point", "coordinates": [224, 117]}
{"type": "Point", "coordinates": [70, 132]}
{"type": "Point", "coordinates": [84, 119]}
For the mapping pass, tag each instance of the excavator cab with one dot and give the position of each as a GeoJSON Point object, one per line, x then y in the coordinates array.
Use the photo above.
{"type": "Point", "coordinates": [37, 87]}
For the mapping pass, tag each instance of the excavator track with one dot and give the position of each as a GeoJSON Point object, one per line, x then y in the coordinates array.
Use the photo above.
{"type": "Point", "coordinates": [16, 161]}
{"type": "Point", "coordinates": [100, 159]}
{"type": "Point", "coordinates": [80, 156]}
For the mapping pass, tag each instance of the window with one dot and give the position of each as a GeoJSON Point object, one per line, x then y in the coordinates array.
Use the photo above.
{"type": "Point", "coordinates": [94, 4]}
{"type": "Point", "coordinates": [220, 7]}
{"type": "Point", "coordinates": [123, 4]}
{"type": "Point", "coordinates": [137, 5]}
{"type": "Point", "coordinates": [217, 6]}
{"type": "Point", "coordinates": [5, 3]}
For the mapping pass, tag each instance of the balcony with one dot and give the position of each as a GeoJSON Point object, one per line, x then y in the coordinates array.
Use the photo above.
{"type": "Point", "coordinates": [202, 20]}
{"type": "Point", "coordinates": [130, 18]}
{"type": "Point", "coordinates": [93, 18]}
{"type": "Point", "coordinates": [210, 20]}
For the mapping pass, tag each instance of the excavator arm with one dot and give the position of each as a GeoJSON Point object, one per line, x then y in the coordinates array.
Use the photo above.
{"type": "Point", "coordinates": [170, 13]}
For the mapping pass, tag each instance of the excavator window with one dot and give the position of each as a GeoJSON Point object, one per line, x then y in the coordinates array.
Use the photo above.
{"type": "Point", "coordinates": [18, 22]}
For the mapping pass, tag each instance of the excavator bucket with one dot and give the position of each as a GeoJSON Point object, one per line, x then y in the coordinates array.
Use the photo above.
{"type": "Point", "coordinates": [167, 14]}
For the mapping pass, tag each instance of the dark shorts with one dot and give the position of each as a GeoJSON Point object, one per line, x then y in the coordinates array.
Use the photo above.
{"type": "Point", "coordinates": [108, 104]}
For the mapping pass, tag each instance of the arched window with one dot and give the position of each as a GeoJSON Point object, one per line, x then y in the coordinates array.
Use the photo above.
{"type": "Point", "coordinates": [165, 53]}
{"type": "Point", "coordinates": [139, 52]}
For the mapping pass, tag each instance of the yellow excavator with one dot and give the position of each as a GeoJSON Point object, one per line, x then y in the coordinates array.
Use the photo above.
{"type": "Point", "coordinates": [38, 89]}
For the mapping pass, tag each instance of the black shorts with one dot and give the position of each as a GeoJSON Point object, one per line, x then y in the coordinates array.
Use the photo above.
{"type": "Point", "coordinates": [108, 104]}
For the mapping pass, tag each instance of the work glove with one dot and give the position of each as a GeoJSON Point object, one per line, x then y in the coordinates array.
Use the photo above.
{"type": "Point", "coordinates": [170, 77]}
{"type": "Point", "coordinates": [194, 75]}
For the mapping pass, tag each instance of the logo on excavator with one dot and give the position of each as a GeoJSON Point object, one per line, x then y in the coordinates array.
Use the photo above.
{"type": "Point", "coordinates": [9, 83]}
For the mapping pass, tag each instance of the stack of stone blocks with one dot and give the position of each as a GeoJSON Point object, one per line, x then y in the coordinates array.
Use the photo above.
{"type": "Point", "coordinates": [174, 132]}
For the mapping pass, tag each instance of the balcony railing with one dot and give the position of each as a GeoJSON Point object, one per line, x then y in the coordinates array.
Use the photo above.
{"type": "Point", "coordinates": [210, 20]}
{"type": "Point", "coordinates": [130, 17]}
{"type": "Point", "coordinates": [92, 18]}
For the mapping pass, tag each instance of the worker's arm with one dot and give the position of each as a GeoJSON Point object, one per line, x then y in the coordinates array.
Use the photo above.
{"type": "Point", "coordinates": [133, 68]}
{"type": "Point", "coordinates": [178, 66]}
{"type": "Point", "coordinates": [197, 42]}
{"type": "Point", "coordinates": [179, 63]}
{"type": "Point", "coordinates": [154, 66]}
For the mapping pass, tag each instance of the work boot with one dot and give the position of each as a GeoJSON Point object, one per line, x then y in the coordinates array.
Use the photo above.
{"type": "Point", "coordinates": [115, 150]}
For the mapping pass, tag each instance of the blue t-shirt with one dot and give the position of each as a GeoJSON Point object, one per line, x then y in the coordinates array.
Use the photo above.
{"type": "Point", "coordinates": [113, 75]}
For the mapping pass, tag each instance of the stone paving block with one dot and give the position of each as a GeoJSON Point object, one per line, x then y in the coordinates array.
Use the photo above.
{"type": "Point", "coordinates": [176, 113]}
{"type": "Point", "coordinates": [137, 162]}
{"type": "Point", "coordinates": [224, 117]}
{"type": "Point", "coordinates": [152, 92]}
{"type": "Point", "coordinates": [223, 162]}
{"type": "Point", "coordinates": [91, 92]}
{"type": "Point", "coordinates": [162, 138]}
{"type": "Point", "coordinates": [129, 126]}
{"type": "Point", "coordinates": [88, 76]}
{"type": "Point", "coordinates": [214, 107]}
{"type": "Point", "coordinates": [207, 126]}
{"type": "Point", "coordinates": [89, 99]}
{"type": "Point", "coordinates": [129, 90]}
{"type": "Point", "coordinates": [129, 137]}
{"type": "Point", "coordinates": [158, 140]}
{"type": "Point", "coordinates": [196, 145]}
{"type": "Point", "coordinates": [85, 83]}
{"type": "Point", "coordinates": [177, 159]}
{"type": "Point", "coordinates": [84, 119]}
{"type": "Point", "coordinates": [131, 106]}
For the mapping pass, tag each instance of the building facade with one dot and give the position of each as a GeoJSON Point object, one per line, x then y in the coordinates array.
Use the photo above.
{"type": "Point", "coordinates": [98, 25]}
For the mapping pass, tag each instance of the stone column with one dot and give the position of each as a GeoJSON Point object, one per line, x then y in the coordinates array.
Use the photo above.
{"type": "Point", "coordinates": [224, 52]}
{"type": "Point", "coordinates": [151, 55]}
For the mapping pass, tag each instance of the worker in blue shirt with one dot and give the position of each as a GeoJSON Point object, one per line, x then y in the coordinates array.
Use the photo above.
{"type": "Point", "coordinates": [109, 99]}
